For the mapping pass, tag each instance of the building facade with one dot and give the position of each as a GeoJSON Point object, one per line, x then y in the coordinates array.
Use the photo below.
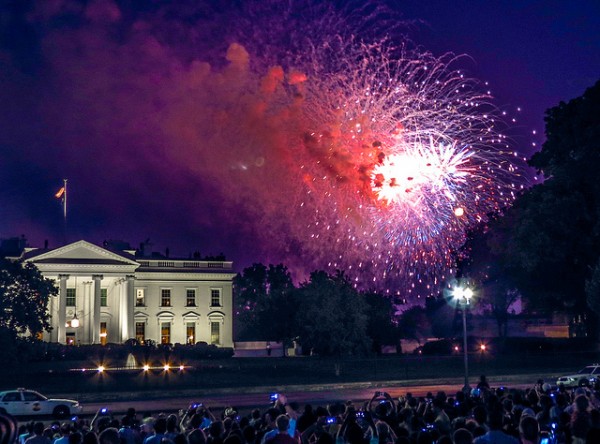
{"type": "Point", "coordinates": [108, 296]}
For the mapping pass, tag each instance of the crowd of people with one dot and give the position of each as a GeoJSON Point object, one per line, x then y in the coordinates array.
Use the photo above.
{"type": "Point", "coordinates": [539, 415]}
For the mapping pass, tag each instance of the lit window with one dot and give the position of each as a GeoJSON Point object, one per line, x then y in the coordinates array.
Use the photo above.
{"type": "Point", "coordinates": [215, 333]}
{"type": "Point", "coordinates": [215, 297]}
{"type": "Point", "coordinates": [103, 297]}
{"type": "Point", "coordinates": [165, 333]}
{"type": "Point", "coordinates": [190, 300]}
{"type": "Point", "coordinates": [165, 297]}
{"type": "Point", "coordinates": [140, 332]}
{"type": "Point", "coordinates": [190, 332]}
{"type": "Point", "coordinates": [139, 298]}
{"type": "Point", "coordinates": [71, 297]}
{"type": "Point", "coordinates": [103, 333]}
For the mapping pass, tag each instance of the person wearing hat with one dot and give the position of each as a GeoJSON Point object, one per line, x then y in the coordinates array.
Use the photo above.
{"type": "Point", "coordinates": [229, 412]}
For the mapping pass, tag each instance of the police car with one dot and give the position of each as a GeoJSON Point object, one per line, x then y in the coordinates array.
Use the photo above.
{"type": "Point", "coordinates": [584, 377]}
{"type": "Point", "coordinates": [22, 402]}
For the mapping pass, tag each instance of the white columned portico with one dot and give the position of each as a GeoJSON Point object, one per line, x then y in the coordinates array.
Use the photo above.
{"type": "Point", "coordinates": [61, 329]}
{"type": "Point", "coordinates": [95, 314]}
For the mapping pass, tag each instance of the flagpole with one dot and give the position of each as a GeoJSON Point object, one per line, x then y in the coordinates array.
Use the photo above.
{"type": "Point", "coordinates": [62, 194]}
{"type": "Point", "coordinates": [65, 202]}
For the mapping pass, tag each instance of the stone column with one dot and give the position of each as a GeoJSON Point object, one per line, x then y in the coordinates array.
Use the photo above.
{"type": "Point", "coordinates": [95, 313]}
{"type": "Point", "coordinates": [122, 304]}
{"type": "Point", "coordinates": [61, 328]}
{"type": "Point", "coordinates": [86, 308]}
{"type": "Point", "coordinates": [53, 310]}
{"type": "Point", "coordinates": [128, 327]}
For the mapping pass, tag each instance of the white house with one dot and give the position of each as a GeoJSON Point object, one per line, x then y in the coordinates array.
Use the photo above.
{"type": "Point", "coordinates": [111, 296]}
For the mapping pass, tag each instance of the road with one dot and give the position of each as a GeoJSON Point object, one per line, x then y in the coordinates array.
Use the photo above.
{"type": "Point", "coordinates": [247, 401]}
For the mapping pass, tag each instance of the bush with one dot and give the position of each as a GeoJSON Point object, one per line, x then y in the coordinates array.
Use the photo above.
{"type": "Point", "coordinates": [440, 347]}
{"type": "Point", "coordinates": [508, 345]}
{"type": "Point", "coordinates": [31, 350]}
{"type": "Point", "coordinates": [511, 345]}
{"type": "Point", "coordinates": [202, 350]}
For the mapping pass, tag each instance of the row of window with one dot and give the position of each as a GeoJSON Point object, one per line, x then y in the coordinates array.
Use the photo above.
{"type": "Point", "coordinates": [190, 332]}
{"type": "Point", "coordinates": [140, 299]}
{"type": "Point", "coordinates": [165, 333]}
{"type": "Point", "coordinates": [190, 297]}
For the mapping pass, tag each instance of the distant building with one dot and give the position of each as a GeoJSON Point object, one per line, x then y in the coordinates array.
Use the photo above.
{"type": "Point", "coordinates": [110, 296]}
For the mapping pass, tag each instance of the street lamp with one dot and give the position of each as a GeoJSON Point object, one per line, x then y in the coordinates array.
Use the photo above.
{"type": "Point", "coordinates": [464, 294]}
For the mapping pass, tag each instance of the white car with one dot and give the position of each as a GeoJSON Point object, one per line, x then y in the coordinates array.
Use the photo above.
{"type": "Point", "coordinates": [584, 377]}
{"type": "Point", "coordinates": [22, 402]}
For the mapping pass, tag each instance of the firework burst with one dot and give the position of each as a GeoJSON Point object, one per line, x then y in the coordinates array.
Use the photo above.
{"type": "Point", "coordinates": [403, 155]}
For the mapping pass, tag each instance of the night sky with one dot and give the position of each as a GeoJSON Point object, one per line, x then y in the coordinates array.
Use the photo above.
{"type": "Point", "coordinates": [132, 102]}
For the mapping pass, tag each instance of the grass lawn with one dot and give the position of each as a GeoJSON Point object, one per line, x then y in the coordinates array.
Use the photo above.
{"type": "Point", "coordinates": [55, 377]}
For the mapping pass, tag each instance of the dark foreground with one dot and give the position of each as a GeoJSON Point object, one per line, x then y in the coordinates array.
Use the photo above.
{"type": "Point", "coordinates": [338, 402]}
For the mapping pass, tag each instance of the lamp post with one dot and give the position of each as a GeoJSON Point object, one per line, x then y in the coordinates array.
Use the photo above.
{"type": "Point", "coordinates": [464, 294]}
